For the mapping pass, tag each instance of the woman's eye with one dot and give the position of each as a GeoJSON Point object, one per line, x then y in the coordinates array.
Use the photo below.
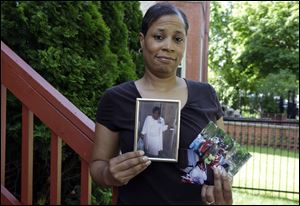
{"type": "Point", "coordinates": [158, 37]}
{"type": "Point", "coordinates": [179, 39]}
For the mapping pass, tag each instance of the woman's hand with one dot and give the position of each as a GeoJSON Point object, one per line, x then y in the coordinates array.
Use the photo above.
{"type": "Point", "coordinates": [220, 193]}
{"type": "Point", "coordinates": [121, 169]}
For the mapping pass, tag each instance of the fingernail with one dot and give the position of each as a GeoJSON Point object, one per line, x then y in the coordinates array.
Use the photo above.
{"type": "Point", "coordinates": [141, 152]}
{"type": "Point", "coordinates": [148, 163]}
{"type": "Point", "coordinates": [224, 174]}
{"type": "Point", "coordinates": [145, 158]}
{"type": "Point", "coordinates": [216, 171]}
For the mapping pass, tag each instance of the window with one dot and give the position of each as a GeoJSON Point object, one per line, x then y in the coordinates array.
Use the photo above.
{"type": "Point", "coordinates": [182, 67]}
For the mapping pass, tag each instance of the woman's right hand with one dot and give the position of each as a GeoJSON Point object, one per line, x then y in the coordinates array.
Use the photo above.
{"type": "Point", "coordinates": [121, 169]}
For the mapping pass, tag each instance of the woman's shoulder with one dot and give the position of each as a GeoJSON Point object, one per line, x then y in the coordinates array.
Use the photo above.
{"type": "Point", "coordinates": [125, 86]}
{"type": "Point", "coordinates": [124, 92]}
{"type": "Point", "coordinates": [196, 85]}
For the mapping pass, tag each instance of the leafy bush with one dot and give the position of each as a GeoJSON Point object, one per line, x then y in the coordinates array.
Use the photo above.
{"type": "Point", "coordinates": [81, 48]}
{"type": "Point", "coordinates": [67, 43]}
{"type": "Point", "coordinates": [133, 18]}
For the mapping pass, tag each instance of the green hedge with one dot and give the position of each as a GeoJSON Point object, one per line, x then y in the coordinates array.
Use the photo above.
{"type": "Point", "coordinates": [81, 48]}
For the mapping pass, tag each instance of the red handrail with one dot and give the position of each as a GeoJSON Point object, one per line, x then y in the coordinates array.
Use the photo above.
{"type": "Point", "coordinates": [66, 122]}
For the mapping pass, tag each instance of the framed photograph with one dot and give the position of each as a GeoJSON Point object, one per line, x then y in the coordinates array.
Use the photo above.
{"type": "Point", "coordinates": [157, 129]}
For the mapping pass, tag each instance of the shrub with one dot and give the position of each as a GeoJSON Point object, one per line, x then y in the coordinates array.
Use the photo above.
{"type": "Point", "coordinates": [81, 48]}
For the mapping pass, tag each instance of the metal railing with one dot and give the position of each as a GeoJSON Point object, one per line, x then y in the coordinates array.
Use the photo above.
{"type": "Point", "coordinates": [273, 168]}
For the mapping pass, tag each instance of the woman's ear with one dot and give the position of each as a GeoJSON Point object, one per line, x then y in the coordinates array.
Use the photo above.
{"type": "Point", "coordinates": [142, 38]}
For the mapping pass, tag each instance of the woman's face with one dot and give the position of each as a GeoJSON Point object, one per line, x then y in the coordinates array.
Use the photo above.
{"type": "Point", "coordinates": [164, 45]}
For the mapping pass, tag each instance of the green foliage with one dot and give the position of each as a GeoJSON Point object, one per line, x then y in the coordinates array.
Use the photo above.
{"type": "Point", "coordinates": [221, 58]}
{"type": "Point", "coordinates": [67, 43]}
{"type": "Point", "coordinates": [102, 196]}
{"type": "Point", "coordinates": [81, 48]}
{"type": "Point", "coordinates": [278, 83]}
{"type": "Point", "coordinates": [270, 106]}
{"type": "Point", "coordinates": [113, 15]}
{"type": "Point", "coordinates": [133, 17]}
{"type": "Point", "coordinates": [254, 48]}
{"type": "Point", "coordinates": [271, 35]}
{"type": "Point", "coordinates": [228, 141]}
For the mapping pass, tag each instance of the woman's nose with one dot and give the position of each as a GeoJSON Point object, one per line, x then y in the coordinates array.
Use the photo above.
{"type": "Point", "coordinates": [168, 45]}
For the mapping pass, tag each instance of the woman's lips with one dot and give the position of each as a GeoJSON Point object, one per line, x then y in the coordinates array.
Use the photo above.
{"type": "Point", "coordinates": [165, 59]}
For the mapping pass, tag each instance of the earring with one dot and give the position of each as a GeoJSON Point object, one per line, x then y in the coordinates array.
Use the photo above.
{"type": "Point", "coordinates": [140, 50]}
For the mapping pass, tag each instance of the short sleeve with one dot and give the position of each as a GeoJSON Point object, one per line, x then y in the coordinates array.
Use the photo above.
{"type": "Point", "coordinates": [220, 112]}
{"type": "Point", "coordinates": [106, 111]}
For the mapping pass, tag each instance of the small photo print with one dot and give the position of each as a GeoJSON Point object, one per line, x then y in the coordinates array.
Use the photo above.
{"type": "Point", "coordinates": [212, 148]}
{"type": "Point", "coordinates": [157, 128]}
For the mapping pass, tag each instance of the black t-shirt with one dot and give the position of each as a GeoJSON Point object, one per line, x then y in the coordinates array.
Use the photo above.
{"type": "Point", "coordinates": [161, 182]}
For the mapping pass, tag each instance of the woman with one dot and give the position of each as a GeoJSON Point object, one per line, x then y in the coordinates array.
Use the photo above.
{"type": "Point", "coordinates": [152, 132]}
{"type": "Point", "coordinates": [162, 39]}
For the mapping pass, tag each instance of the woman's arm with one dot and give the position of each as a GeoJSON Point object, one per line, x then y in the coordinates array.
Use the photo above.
{"type": "Point", "coordinates": [164, 125]}
{"type": "Point", "coordinates": [108, 168]}
{"type": "Point", "coordinates": [146, 125]}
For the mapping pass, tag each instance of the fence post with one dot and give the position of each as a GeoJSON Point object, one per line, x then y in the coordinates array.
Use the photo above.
{"type": "Point", "coordinates": [27, 156]}
{"type": "Point", "coordinates": [55, 175]}
{"type": "Point", "coordinates": [85, 191]}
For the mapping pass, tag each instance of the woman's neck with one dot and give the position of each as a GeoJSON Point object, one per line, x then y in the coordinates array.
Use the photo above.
{"type": "Point", "coordinates": [152, 82]}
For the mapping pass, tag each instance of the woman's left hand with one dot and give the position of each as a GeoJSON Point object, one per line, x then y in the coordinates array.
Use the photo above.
{"type": "Point", "coordinates": [220, 193]}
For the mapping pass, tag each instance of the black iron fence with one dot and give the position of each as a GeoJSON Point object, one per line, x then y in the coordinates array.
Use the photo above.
{"type": "Point", "coordinates": [274, 166]}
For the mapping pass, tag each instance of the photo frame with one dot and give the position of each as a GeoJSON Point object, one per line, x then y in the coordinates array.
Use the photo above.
{"type": "Point", "coordinates": [157, 126]}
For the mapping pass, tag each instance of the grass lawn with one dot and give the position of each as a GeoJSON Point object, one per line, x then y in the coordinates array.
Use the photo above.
{"type": "Point", "coordinates": [273, 169]}
{"type": "Point", "coordinates": [245, 198]}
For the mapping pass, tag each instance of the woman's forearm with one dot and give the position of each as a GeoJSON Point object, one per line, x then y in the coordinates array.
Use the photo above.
{"type": "Point", "coordinates": [99, 172]}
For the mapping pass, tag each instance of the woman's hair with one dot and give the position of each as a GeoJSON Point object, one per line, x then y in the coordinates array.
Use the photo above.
{"type": "Point", "coordinates": [161, 9]}
{"type": "Point", "coordinates": [156, 109]}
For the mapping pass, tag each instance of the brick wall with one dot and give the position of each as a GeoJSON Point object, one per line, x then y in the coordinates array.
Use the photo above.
{"type": "Point", "coordinates": [197, 13]}
{"type": "Point", "coordinates": [265, 134]}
